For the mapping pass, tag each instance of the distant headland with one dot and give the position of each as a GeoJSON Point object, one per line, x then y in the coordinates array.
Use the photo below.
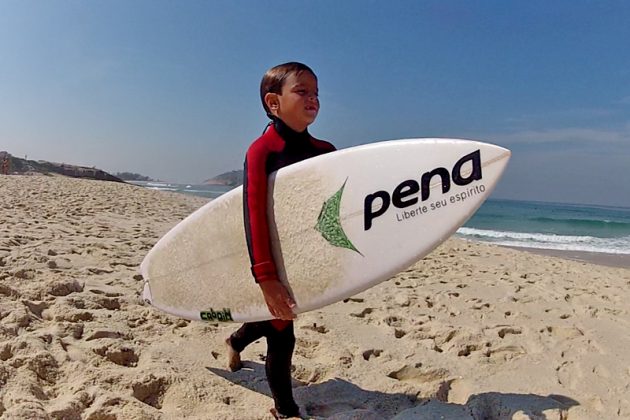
{"type": "Point", "coordinates": [12, 165]}
{"type": "Point", "coordinates": [229, 179]}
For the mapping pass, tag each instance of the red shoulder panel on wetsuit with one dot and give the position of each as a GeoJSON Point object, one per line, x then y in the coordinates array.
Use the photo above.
{"type": "Point", "coordinates": [322, 146]}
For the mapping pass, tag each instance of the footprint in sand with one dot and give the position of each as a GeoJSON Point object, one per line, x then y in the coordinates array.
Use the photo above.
{"type": "Point", "coordinates": [509, 330]}
{"type": "Point", "coordinates": [415, 374]}
{"type": "Point", "coordinates": [306, 375]}
{"type": "Point", "coordinates": [107, 334]}
{"type": "Point", "coordinates": [25, 274]}
{"type": "Point", "coordinates": [151, 390]}
{"type": "Point", "coordinates": [368, 354]}
{"type": "Point", "coordinates": [64, 288]}
{"type": "Point", "coordinates": [569, 374]}
{"type": "Point", "coordinates": [118, 354]}
{"type": "Point", "coordinates": [363, 313]}
{"type": "Point", "coordinates": [108, 294]}
{"type": "Point", "coordinates": [355, 300]}
{"type": "Point", "coordinates": [346, 359]}
{"type": "Point", "coordinates": [399, 333]}
{"type": "Point", "coordinates": [62, 313]}
{"type": "Point", "coordinates": [317, 328]}
{"type": "Point", "coordinates": [563, 332]}
{"type": "Point", "coordinates": [467, 350]}
{"type": "Point", "coordinates": [8, 292]}
{"type": "Point", "coordinates": [505, 353]}
{"type": "Point", "coordinates": [43, 364]}
{"type": "Point", "coordinates": [111, 304]}
{"type": "Point", "coordinates": [480, 306]}
{"type": "Point", "coordinates": [392, 321]}
{"type": "Point", "coordinates": [36, 308]}
{"type": "Point", "coordinates": [6, 352]}
{"type": "Point", "coordinates": [330, 408]}
{"type": "Point", "coordinates": [306, 348]}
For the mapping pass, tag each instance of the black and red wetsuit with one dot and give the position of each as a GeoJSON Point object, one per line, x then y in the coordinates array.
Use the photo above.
{"type": "Point", "coordinates": [279, 146]}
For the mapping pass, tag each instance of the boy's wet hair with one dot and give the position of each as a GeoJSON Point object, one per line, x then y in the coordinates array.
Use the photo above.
{"type": "Point", "coordinates": [273, 80]}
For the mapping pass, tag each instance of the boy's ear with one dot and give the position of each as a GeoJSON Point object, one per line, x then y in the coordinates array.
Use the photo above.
{"type": "Point", "coordinates": [272, 102]}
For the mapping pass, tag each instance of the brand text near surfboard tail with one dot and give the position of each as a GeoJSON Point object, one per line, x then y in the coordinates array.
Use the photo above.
{"type": "Point", "coordinates": [211, 315]}
{"type": "Point", "coordinates": [406, 193]}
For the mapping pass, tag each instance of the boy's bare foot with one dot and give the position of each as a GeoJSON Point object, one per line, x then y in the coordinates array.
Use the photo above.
{"type": "Point", "coordinates": [277, 415]}
{"type": "Point", "coordinates": [234, 357]}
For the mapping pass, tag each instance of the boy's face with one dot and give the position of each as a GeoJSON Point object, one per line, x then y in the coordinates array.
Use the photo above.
{"type": "Point", "coordinates": [298, 104]}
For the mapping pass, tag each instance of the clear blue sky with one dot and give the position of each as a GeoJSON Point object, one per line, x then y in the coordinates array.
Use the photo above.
{"type": "Point", "coordinates": [169, 89]}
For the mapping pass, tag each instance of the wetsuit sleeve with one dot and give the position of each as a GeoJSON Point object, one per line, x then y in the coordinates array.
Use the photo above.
{"type": "Point", "coordinates": [255, 213]}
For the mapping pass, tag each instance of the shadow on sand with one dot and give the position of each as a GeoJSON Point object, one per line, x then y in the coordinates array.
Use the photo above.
{"type": "Point", "coordinates": [336, 397]}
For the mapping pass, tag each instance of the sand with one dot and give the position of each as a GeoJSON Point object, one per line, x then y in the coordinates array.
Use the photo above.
{"type": "Point", "coordinates": [471, 332]}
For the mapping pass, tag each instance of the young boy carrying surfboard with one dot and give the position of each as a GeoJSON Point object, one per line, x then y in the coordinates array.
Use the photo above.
{"type": "Point", "coordinates": [289, 96]}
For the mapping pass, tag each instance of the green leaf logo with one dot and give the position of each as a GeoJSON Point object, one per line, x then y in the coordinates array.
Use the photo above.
{"type": "Point", "coordinates": [329, 223]}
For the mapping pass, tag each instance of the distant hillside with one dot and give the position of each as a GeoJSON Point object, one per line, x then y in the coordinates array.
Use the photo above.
{"type": "Point", "coordinates": [230, 179]}
{"type": "Point", "coordinates": [24, 166]}
{"type": "Point", "coordinates": [131, 176]}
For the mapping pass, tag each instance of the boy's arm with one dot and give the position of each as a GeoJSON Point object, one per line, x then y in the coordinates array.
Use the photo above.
{"type": "Point", "coordinates": [255, 213]}
{"type": "Point", "coordinates": [278, 300]}
{"type": "Point", "coordinates": [255, 208]}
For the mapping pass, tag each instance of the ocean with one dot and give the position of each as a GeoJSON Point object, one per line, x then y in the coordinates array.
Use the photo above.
{"type": "Point", "coordinates": [525, 224]}
{"type": "Point", "coordinates": [208, 191]}
{"type": "Point", "coordinates": [551, 226]}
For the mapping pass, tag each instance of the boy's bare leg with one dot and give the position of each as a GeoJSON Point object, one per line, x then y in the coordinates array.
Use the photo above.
{"type": "Point", "coordinates": [234, 357]}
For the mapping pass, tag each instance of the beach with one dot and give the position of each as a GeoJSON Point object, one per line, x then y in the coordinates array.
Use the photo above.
{"type": "Point", "coordinates": [473, 331]}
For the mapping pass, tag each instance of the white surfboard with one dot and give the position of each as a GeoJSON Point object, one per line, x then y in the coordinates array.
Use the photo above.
{"type": "Point", "coordinates": [340, 223]}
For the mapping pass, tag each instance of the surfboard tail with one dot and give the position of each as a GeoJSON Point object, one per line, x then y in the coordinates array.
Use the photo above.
{"type": "Point", "coordinates": [146, 293]}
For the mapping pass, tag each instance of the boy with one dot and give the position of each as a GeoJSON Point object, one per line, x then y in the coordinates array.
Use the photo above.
{"type": "Point", "coordinates": [289, 96]}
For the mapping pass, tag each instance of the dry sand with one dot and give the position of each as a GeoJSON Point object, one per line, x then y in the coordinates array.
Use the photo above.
{"type": "Point", "coordinates": [471, 332]}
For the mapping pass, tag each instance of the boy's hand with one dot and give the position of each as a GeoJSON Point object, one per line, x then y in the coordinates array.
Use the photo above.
{"type": "Point", "coordinates": [279, 302]}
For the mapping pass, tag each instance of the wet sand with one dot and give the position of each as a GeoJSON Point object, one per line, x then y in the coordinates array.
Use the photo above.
{"type": "Point", "coordinates": [598, 258]}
